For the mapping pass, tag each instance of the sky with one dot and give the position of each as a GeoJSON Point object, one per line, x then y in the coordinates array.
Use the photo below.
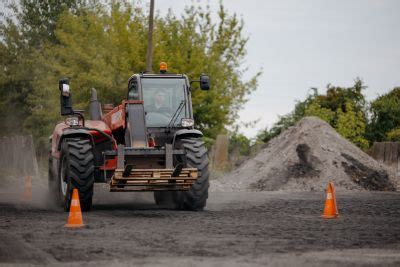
{"type": "Point", "coordinates": [301, 44]}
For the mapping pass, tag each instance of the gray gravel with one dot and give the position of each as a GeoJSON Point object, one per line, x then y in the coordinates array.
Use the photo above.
{"type": "Point", "coordinates": [237, 229]}
{"type": "Point", "coordinates": [306, 157]}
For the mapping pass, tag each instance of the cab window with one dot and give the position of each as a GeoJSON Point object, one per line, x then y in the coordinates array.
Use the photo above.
{"type": "Point", "coordinates": [163, 97]}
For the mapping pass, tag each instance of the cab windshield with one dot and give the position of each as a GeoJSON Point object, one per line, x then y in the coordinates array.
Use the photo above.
{"type": "Point", "coordinates": [162, 98]}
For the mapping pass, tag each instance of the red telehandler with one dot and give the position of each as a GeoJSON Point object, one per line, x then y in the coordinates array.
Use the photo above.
{"type": "Point", "coordinates": [147, 143]}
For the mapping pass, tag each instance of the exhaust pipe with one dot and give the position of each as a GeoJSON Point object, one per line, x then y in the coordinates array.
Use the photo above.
{"type": "Point", "coordinates": [95, 106]}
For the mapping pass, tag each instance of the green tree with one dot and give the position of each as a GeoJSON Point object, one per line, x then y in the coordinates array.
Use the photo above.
{"type": "Point", "coordinates": [327, 106]}
{"type": "Point", "coordinates": [23, 37]}
{"type": "Point", "coordinates": [315, 109]}
{"type": "Point", "coordinates": [239, 143]}
{"type": "Point", "coordinates": [102, 46]}
{"type": "Point", "coordinates": [351, 125]}
{"type": "Point", "coordinates": [197, 44]}
{"type": "Point", "coordinates": [393, 135]}
{"type": "Point", "coordinates": [337, 97]}
{"type": "Point", "coordinates": [37, 18]}
{"type": "Point", "coordinates": [385, 116]}
{"type": "Point", "coordinates": [16, 63]}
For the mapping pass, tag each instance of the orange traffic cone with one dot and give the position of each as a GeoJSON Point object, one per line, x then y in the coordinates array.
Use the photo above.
{"type": "Point", "coordinates": [330, 210]}
{"type": "Point", "coordinates": [27, 195]}
{"type": "Point", "coordinates": [75, 214]}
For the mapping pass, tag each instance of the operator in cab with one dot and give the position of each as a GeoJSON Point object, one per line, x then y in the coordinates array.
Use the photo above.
{"type": "Point", "coordinates": [160, 104]}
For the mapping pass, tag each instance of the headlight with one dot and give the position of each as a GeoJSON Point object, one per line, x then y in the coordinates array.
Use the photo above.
{"type": "Point", "coordinates": [187, 122]}
{"type": "Point", "coordinates": [65, 89]}
{"type": "Point", "coordinates": [72, 121]}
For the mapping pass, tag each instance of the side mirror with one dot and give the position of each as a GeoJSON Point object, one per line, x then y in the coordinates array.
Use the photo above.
{"type": "Point", "coordinates": [65, 97]}
{"type": "Point", "coordinates": [204, 82]}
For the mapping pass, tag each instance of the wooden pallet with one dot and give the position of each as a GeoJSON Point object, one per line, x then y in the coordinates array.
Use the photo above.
{"type": "Point", "coordinates": [152, 180]}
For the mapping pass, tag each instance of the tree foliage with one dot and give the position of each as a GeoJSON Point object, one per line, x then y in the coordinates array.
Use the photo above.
{"type": "Point", "coordinates": [240, 144]}
{"type": "Point", "coordinates": [102, 45]}
{"type": "Point", "coordinates": [338, 97]}
{"type": "Point", "coordinates": [347, 110]}
{"type": "Point", "coordinates": [351, 125]}
{"type": "Point", "coordinates": [385, 116]}
{"type": "Point", "coordinates": [23, 37]}
{"type": "Point", "coordinates": [336, 106]}
{"type": "Point", "coordinates": [37, 19]}
{"type": "Point", "coordinates": [393, 135]}
{"type": "Point", "coordinates": [315, 109]}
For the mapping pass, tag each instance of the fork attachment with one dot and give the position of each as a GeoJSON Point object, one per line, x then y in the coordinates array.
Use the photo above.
{"type": "Point", "coordinates": [130, 179]}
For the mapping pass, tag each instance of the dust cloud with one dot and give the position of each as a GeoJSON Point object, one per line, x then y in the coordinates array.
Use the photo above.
{"type": "Point", "coordinates": [22, 182]}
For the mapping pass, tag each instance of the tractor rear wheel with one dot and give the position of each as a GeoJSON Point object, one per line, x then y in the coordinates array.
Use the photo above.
{"type": "Point", "coordinates": [76, 170]}
{"type": "Point", "coordinates": [196, 197]}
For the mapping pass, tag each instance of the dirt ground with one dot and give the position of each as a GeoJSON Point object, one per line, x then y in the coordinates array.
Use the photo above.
{"type": "Point", "coordinates": [237, 229]}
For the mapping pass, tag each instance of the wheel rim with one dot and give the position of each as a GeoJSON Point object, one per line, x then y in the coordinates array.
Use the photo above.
{"type": "Point", "coordinates": [63, 177]}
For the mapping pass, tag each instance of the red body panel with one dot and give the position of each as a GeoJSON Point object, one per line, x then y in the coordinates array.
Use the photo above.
{"type": "Point", "coordinates": [112, 121]}
{"type": "Point", "coordinates": [60, 127]}
{"type": "Point", "coordinates": [115, 119]}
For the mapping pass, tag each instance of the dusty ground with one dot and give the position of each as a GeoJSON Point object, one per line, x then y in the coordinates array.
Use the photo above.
{"type": "Point", "coordinates": [237, 229]}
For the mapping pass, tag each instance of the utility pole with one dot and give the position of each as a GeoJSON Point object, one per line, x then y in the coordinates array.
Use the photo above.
{"type": "Point", "coordinates": [149, 56]}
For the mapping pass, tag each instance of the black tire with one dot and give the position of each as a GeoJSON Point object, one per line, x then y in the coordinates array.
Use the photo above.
{"type": "Point", "coordinates": [196, 197]}
{"type": "Point", "coordinates": [76, 168]}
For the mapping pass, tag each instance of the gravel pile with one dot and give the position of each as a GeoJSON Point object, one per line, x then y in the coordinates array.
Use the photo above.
{"type": "Point", "coordinates": [306, 157]}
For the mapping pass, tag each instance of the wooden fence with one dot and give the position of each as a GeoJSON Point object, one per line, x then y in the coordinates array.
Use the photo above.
{"type": "Point", "coordinates": [388, 154]}
{"type": "Point", "coordinates": [219, 153]}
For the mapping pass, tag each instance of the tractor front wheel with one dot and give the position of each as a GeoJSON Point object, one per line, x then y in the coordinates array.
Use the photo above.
{"type": "Point", "coordinates": [196, 197]}
{"type": "Point", "coordinates": [76, 170]}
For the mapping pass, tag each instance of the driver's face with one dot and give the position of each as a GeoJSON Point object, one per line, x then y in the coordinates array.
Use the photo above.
{"type": "Point", "coordinates": [160, 99]}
